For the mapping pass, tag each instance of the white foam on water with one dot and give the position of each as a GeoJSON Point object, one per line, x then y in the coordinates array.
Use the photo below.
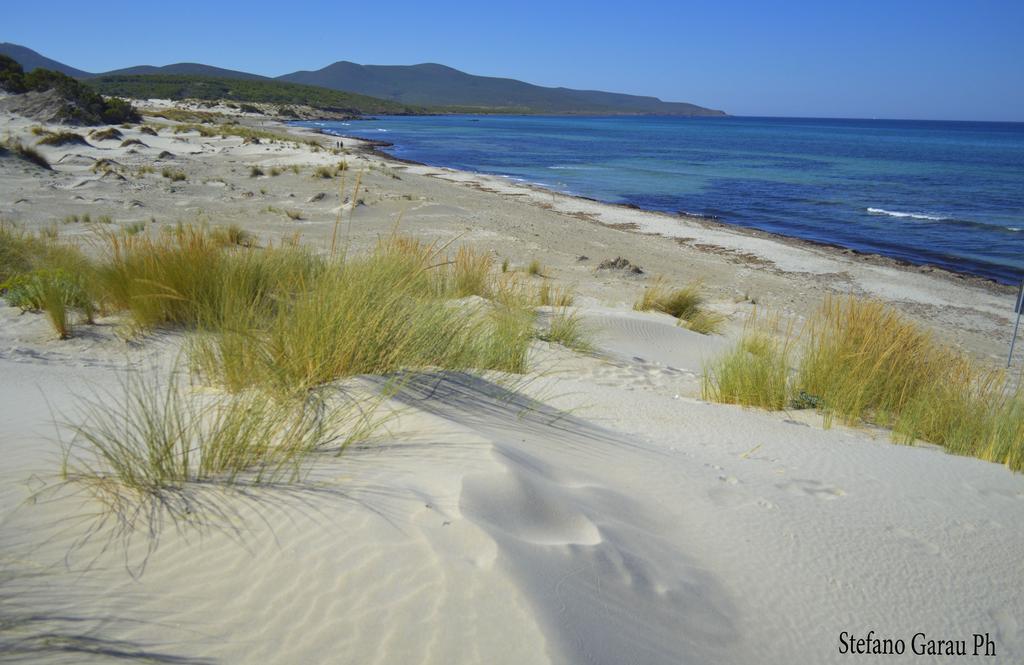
{"type": "Point", "coordinates": [912, 215]}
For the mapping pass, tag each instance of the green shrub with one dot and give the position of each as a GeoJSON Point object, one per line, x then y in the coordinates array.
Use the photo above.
{"type": "Point", "coordinates": [82, 105]}
{"type": "Point", "coordinates": [12, 76]}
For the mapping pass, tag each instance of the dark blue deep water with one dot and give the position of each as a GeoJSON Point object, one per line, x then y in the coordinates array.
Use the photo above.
{"type": "Point", "coordinates": [943, 193]}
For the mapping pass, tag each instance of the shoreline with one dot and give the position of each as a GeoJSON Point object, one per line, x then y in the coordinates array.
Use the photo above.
{"type": "Point", "coordinates": [375, 147]}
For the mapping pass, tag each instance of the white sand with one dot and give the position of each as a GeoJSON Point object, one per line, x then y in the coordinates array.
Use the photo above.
{"type": "Point", "coordinates": [601, 513]}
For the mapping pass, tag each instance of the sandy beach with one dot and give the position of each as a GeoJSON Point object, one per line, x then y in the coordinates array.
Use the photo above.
{"type": "Point", "coordinates": [593, 510]}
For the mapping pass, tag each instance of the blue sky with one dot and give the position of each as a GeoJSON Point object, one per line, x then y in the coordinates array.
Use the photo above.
{"type": "Point", "coordinates": [939, 60]}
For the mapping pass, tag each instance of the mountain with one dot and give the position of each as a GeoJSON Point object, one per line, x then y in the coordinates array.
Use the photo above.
{"type": "Point", "coordinates": [29, 60]}
{"type": "Point", "coordinates": [427, 85]}
{"type": "Point", "coordinates": [186, 69]}
{"type": "Point", "coordinates": [440, 86]}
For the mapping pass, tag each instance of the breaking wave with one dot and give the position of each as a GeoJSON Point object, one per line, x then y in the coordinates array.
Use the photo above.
{"type": "Point", "coordinates": [912, 215]}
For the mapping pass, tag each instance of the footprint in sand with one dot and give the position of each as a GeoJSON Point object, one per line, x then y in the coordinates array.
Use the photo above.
{"type": "Point", "coordinates": [815, 488]}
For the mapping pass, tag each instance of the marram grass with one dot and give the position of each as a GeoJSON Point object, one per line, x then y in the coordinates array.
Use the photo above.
{"type": "Point", "coordinates": [862, 361]}
{"type": "Point", "coordinates": [387, 311]}
{"type": "Point", "coordinates": [754, 373]}
{"type": "Point", "coordinates": [155, 435]}
{"type": "Point", "coordinates": [567, 328]}
{"type": "Point", "coordinates": [687, 304]}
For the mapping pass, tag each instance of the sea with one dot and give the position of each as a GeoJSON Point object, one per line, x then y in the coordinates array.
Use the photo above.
{"type": "Point", "coordinates": [948, 194]}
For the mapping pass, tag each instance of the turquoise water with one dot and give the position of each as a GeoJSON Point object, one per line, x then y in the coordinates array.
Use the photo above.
{"type": "Point", "coordinates": [949, 194]}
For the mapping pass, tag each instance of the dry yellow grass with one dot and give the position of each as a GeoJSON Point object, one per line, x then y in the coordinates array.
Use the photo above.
{"type": "Point", "coordinates": [862, 361]}
{"type": "Point", "coordinates": [686, 304]}
{"type": "Point", "coordinates": [755, 372]}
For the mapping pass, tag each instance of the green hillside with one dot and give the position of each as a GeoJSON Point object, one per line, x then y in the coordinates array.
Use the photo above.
{"type": "Point", "coordinates": [439, 86]}
{"type": "Point", "coordinates": [163, 86]}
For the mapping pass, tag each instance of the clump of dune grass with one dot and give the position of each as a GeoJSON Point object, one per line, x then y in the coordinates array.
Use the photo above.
{"type": "Point", "coordinates": [535, 269]}
{"type": "Point", "coordinates": [680, 303]}
{"type": "Point", "coordinates": [62, 138]}
{"type": "Point", "coordinates": [294, 215]}
{"type": "Point", "coordinates": [105, 165]}
{"type": "Point", "coordinates": [255, 172]}
{"type": "Point", "coordinates": [233, 234]}
{"type": "Point", "coordinates": [164, 280]}
{"type": "Point", "coordinates": [512, 291]}
{"type": "Point", "coordinates": [27, 153]}
{"type": "Point", "coordinates": [704, 322]}
{"type": "Point", "coordinates": [325, 172]}
{"type": "Point", "coordinates": [108, 134]}
{"type": "Point", "coordinates": [22, 252]}
{"type": "Point", "coordinates": [148, 129]}
{"type": "Point", "coordinates": [554, 296]}
{"type": "Point", "coordinates": [972, 412]}
{"type": "Point", "coordinates": [565, 327]}
{"type": "Point", "coordinates": [505, 342]}
{"type": "Point", "coordinates": [57, 292]}
{"type": "Point", "coordinates": [276, 170]}
{"type": "Point", "coordinates": [862, 361]}
{"type": "Point", "coordinates": [174, 175]}
{"type": "Point", "coordinates": [755, 372]}
{"type": "Point", "coordinates": [152, 437]}
{"type": "Point", "coordinates": [380, 313]}
{"type": "Point", "coordinates": [686, 304]}
{"type": "Point", "coordinates": [127, 143]}
{"type": "Point", "coordinates": [471, 272]}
